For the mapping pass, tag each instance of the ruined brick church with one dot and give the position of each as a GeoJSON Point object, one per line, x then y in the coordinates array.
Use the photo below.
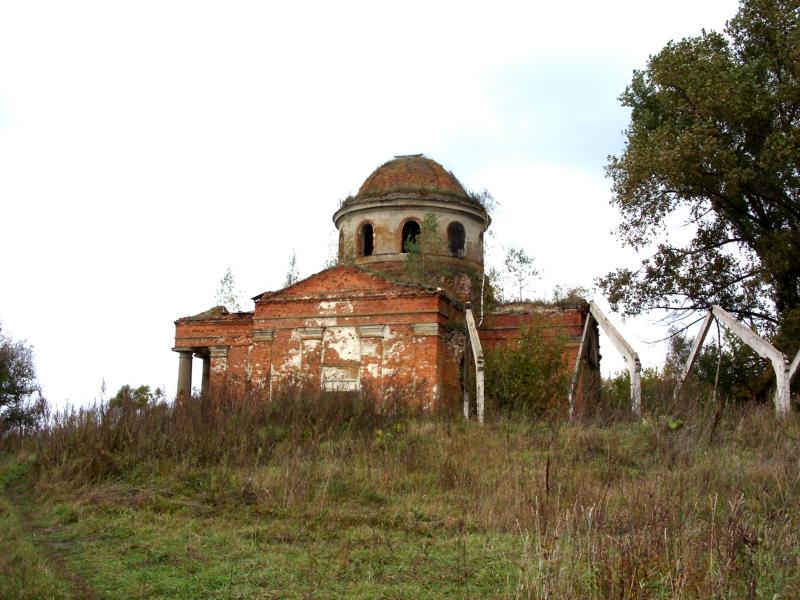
{"type": "Point", "coordinates": [392, 312]}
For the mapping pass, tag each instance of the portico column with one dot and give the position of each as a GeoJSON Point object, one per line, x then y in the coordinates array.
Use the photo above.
{"type": "Point", "coordinates": [206, 374]}
{"type": "Point", "coordinates": [184, 371]}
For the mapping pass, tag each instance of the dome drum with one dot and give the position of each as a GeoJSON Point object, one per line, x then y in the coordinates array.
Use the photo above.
{"type": "Point", "coordinates": [411, 189]}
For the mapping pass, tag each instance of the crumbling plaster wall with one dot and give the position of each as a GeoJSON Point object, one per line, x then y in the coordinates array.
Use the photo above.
{"type": "Point", "coordinates": [342, 329]}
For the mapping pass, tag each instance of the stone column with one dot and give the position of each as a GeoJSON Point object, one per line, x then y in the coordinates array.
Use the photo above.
{"type": "Point", "coordinates": [184, 371]}
{"type": "Point", "coordinates": [206, 374]}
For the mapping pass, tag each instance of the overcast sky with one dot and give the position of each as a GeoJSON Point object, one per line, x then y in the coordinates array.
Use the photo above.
{"type": "Point", "coordinates": [145, 147]}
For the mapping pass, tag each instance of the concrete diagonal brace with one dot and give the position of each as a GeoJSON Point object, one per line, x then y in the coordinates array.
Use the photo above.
{"type": "Point", "coordinates": [784, 372]}
{"type": "Point", "coordinates": [793, 368]}
{"type": "Point", "coordinates": [621, 344]}
{"type": "Point", "coordinates": [477, 354]}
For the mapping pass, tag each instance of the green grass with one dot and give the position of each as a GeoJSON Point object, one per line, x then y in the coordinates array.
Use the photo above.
{"type": "Point", "coordinates": [424, 508]}
{"type": "Point", "coordinates": [25, 569]}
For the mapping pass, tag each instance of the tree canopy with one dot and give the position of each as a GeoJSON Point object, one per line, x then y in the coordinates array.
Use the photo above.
{"type": "Point", "coordinates": [714, 139]}
{"type": "Point", "coordinates": [20, 395]}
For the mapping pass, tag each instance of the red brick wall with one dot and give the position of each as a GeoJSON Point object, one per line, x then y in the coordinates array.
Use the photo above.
{"type": "Point", "coordinates": [345, 325]}
{"type": "Point", "coordinates": [339, 324]}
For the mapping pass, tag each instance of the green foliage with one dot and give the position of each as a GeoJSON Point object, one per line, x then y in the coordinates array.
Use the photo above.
{"type": "Point", "coordinates": [421, 264]}
{"type": "Point", "coordinates": [492, 289]}
{"type": "Point", "coordinates": [725, 364]}
{"type": "Point", "coordinates": [727, 371]}
{"type": "Point", "coordinates": [530, 376]}
{"type": "Point", "coordinates": [21, 404]}
{"type": "Point", "coordinates": [138, 397]}
{"type": "Point", "coordinates": [25, 571]}
{"type": "Point", "coordinates": [656, 390]}
{"type": "Point", "coordinates": [714, 138]}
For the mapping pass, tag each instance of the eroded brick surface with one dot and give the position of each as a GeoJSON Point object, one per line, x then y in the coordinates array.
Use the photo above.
{"type": "Point", "coordinates": [346, 329]}
{"type": "Point", "coordinates": [342, 328]}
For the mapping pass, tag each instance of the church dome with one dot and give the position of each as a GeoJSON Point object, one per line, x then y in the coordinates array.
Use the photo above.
{"type": "Point", "coordinates": [412, 173]}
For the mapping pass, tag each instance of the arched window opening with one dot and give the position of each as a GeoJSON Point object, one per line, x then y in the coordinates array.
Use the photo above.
{"type": "Point", "coordinates": [366, 240]}
{"type": "Point", "coordinates": [411, 231]}
{"type": "Point", "coordinates": [456, 237]}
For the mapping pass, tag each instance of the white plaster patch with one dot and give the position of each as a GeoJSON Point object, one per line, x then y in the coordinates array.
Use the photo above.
{"type": "Point", "coordinates": [340, 379]}
{"type": "Point", "coordinates": [374, 370]}
{"type": "Point", "coordinates": [249, 366]}
{"type": "Point", "coordinates": [324, 322]}
{"type": "Point", "coordinates": [336, 307]}
{"type": "Point", "coordinates": [293, 360]}
{"type": "Point", "coordinates": [341, 343]}
{"type": "Point", "coordinates": [369, 348]}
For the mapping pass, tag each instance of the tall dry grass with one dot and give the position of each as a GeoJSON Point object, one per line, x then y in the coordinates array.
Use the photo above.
{"type": "Point", "coordinates": [104, 440]}
{"type": "Point", "coordinates": [697, 500]}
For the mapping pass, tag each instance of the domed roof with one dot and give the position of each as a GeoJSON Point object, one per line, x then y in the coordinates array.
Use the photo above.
{"type": "Point", "coordinates": [411, 173]}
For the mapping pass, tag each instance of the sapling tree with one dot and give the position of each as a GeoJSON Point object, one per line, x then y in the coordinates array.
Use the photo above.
{"type": "Point", "coordinates": [292, 274]}
{"type": "Point", "coordinates": [519, 266]}
{"type": "Point", "coordinates": [227, 292]}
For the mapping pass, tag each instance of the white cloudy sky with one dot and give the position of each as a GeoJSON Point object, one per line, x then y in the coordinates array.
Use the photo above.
{"type": "Point", "coordinates": [147, 146]}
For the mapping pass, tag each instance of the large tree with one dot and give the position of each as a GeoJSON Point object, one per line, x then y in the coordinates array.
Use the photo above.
{"type": "Point", "coordinates": [714, 140]}
{"type": "Point", "coordinates": [20, 395]}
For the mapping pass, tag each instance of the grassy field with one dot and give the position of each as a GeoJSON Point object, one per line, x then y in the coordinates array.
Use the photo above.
{"type": "Point", "coordinates": [238, 502]}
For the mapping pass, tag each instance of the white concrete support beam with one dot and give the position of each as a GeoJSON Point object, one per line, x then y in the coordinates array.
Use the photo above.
{"type": "Point", "coordinates": [631, 358]}
{"type": "Point", "coordinates": [477, 354]}
{"type": "Point", "coordinates": [467, 385]}
{"type": "Point", "coordinates": [794, 367]}
{"type": "Point", "coordinates": [780, 364]}
{"type": "Point", "coordinates": [698, 343]}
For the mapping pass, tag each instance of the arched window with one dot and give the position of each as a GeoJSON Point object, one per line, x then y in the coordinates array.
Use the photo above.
{"type": "Point", "coordinates": [411, 231]}
{"type": "Point", "coordinates": [456, 236]}
{"type": "Point", "coordinates": [366, 240]}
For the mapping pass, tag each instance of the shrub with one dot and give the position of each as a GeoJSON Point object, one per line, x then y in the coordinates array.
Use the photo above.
{"type": "Point", "coordinates": [530, 375]}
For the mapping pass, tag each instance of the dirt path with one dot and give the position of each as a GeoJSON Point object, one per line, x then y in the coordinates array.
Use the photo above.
{"type": "Point", "coordinates": [20, 496]}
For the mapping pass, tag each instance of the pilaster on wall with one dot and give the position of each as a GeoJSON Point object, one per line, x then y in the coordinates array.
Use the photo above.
{"type": "Point", "coordinates": [371, 373]}
{"type": "Point", "coordinates": [261, 356]}
{"type": "Point", "coordinates": [311, 355]}
{"type": "Point", "coordinates": [427, 378]}
{"type": "Point", "coordinates": [218, 356]}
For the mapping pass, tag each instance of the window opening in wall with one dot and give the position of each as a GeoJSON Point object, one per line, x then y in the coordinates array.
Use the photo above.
{"type": "Point", "coordinates": [456, 236]}
{"type": "Point", "coordinates": [366, 240]}
{"type": "Point", "coordinates": [411, 231]}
